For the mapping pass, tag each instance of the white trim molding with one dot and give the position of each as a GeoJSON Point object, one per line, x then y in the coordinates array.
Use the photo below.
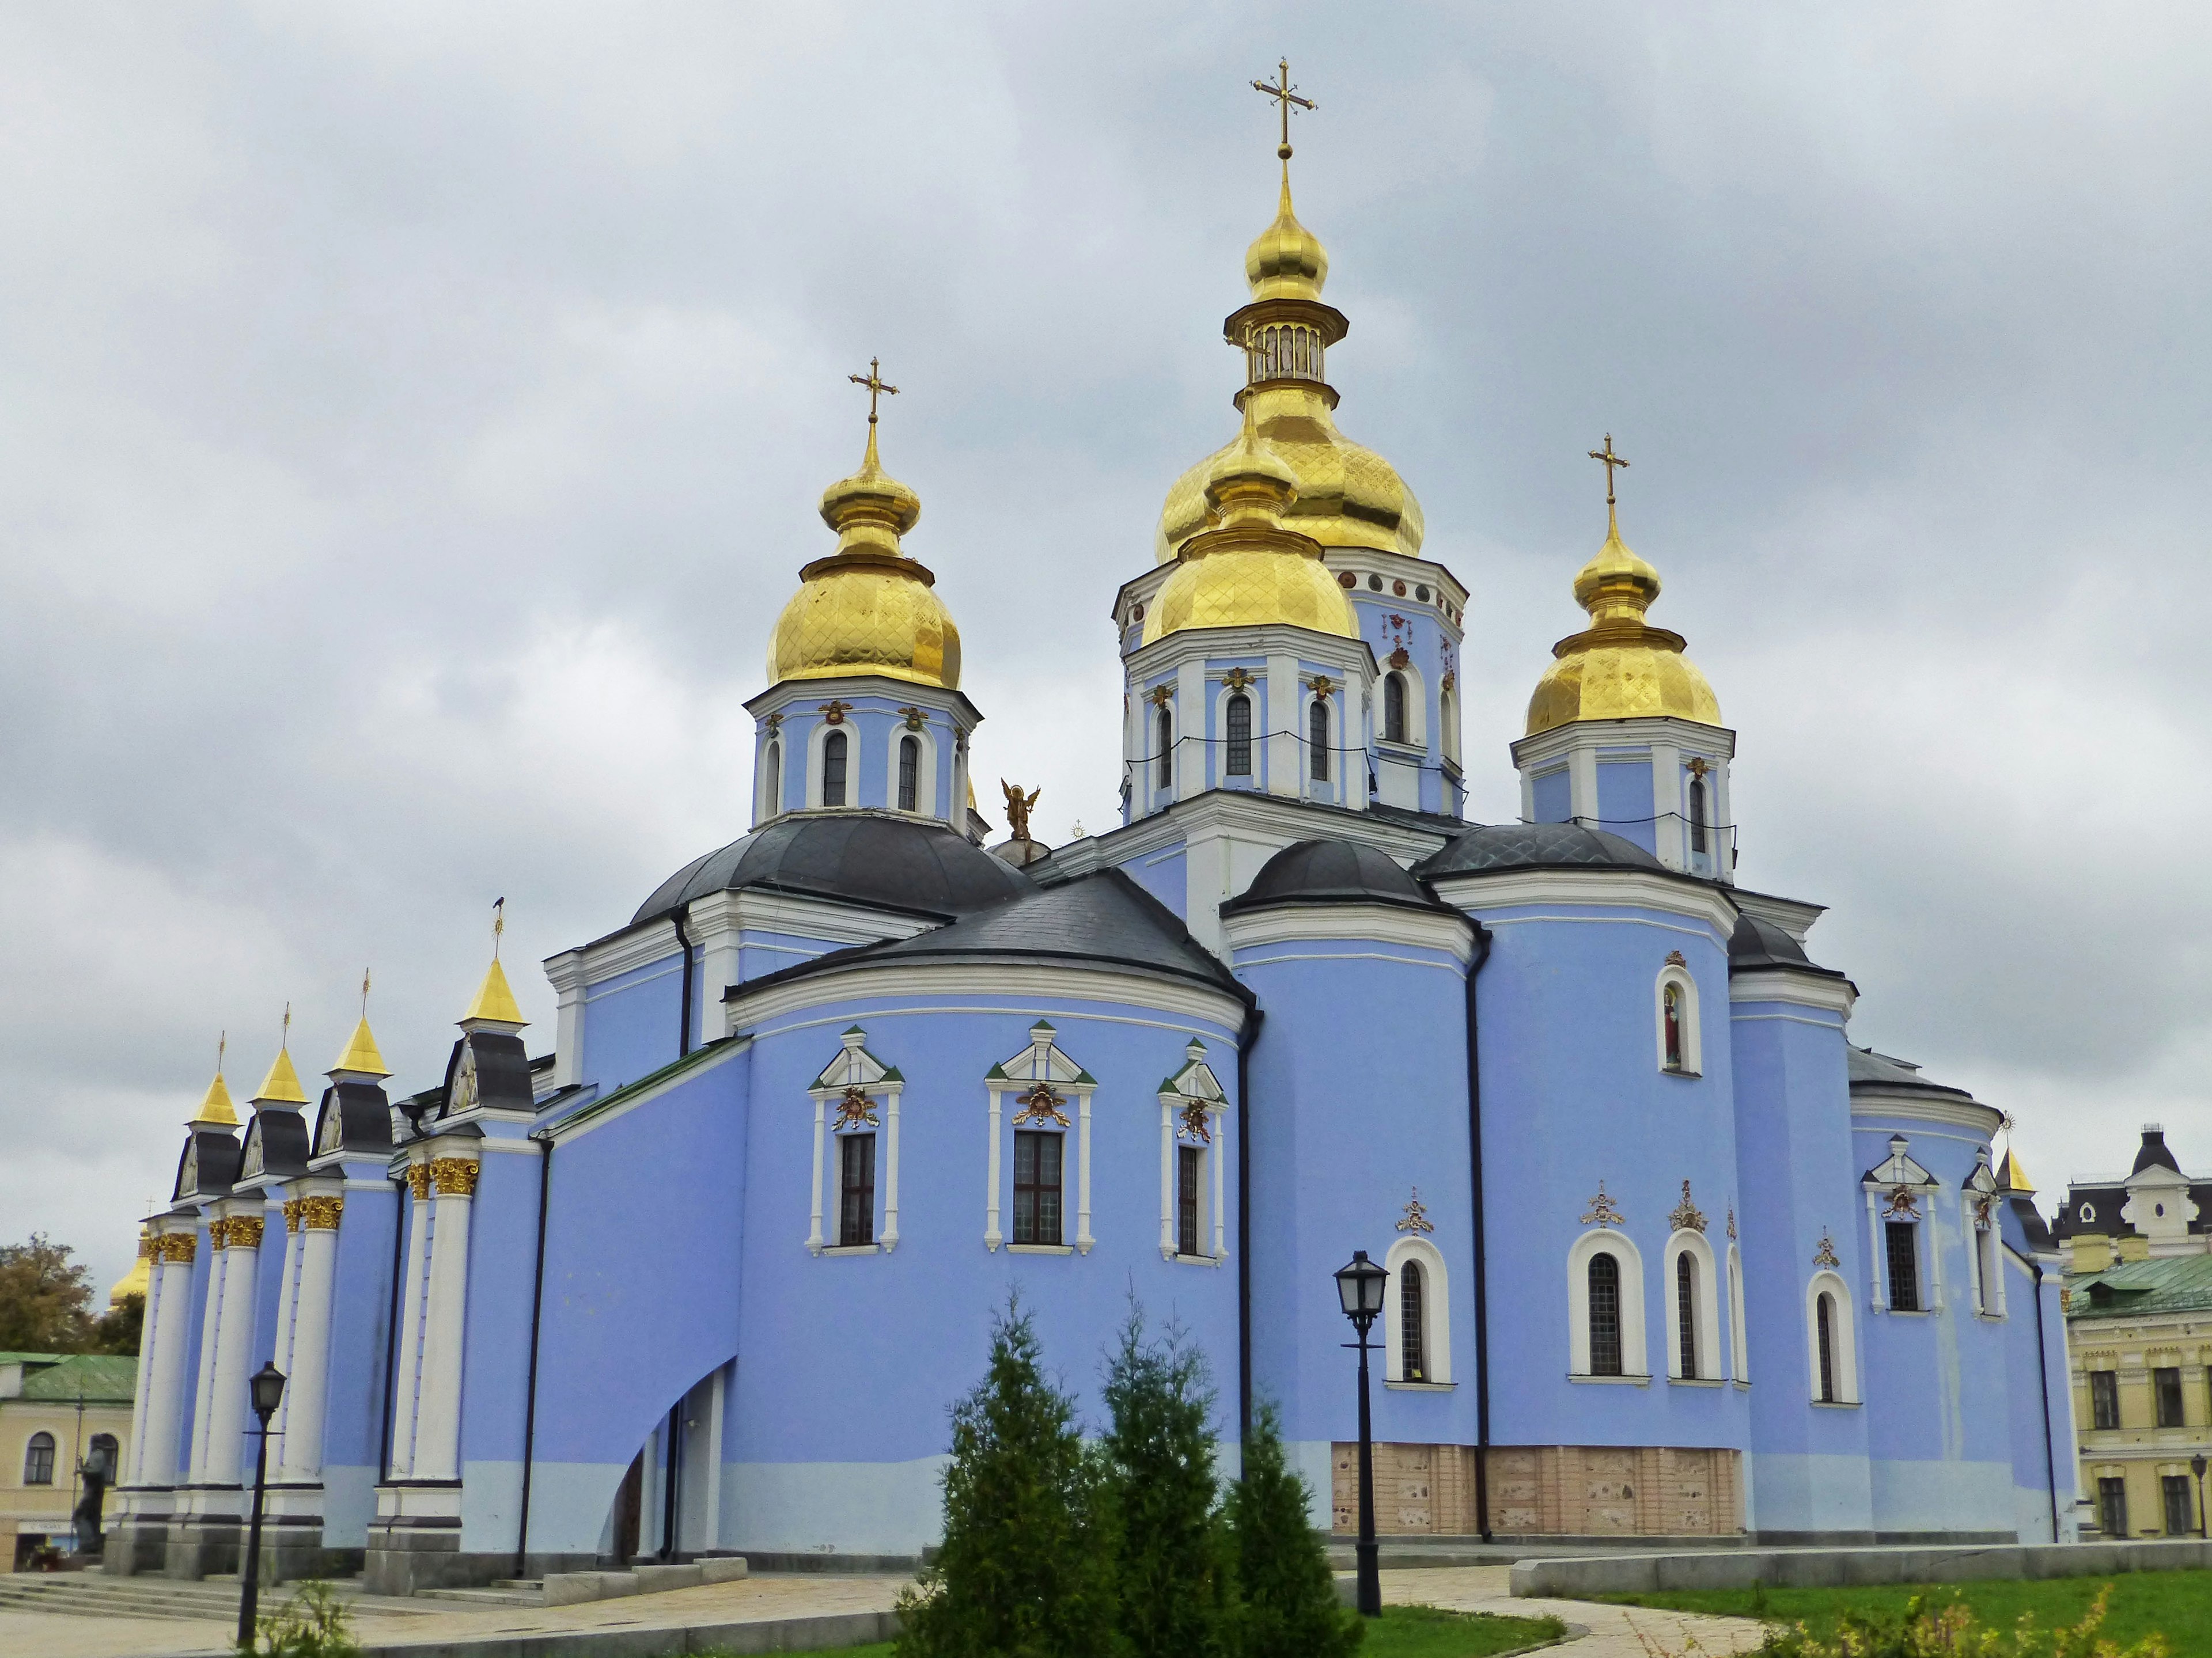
{"type": "Point", "coordinates": [1627, 889]}
{"type": "Point", "coordinates": [1435, 1314]}
{"type": "Point", "coordinates": [925, 771]}
{"type": "Point", "coordinates": [1053, 1081]}
{"type": "Point", "coordinates": [1705, 1310]}
{"type": "Point", "coordinates": [1843, 1337]}
{"type": "Point", "coordinates": [1194, 1110]}
{"type": "Point", "coordinates": [1739, 1341]}
{"type": "Point", "coordinates": [1675, 972]}
{"type": "Point", "coordinates": [861, 1086]}
{"type": "Point", "coordinates": [1394, 924]}
{"type": "Point", "coordinates": [1634, 1360]}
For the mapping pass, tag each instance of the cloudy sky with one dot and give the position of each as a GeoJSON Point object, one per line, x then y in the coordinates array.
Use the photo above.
{"type": "Point", "coordinates": [412, 417]}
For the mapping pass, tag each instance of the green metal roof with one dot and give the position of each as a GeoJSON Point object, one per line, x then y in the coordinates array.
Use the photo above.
{"type": "Point", "coordinates": [2136, 1289]}
{"type": "Point", "coordinates": [101, 1378]}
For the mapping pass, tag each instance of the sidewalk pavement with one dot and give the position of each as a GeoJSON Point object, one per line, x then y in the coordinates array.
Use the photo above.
{"type": "Point", "coordinates": [1614, 1631]}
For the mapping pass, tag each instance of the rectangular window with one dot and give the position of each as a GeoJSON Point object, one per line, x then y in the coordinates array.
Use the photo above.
{"type": "Point", "coordinates": [2180, 1514]}
{"type": "Point", "coordinates": [1904, 1238]}
{"type": "Point", "coordinates": [2112, 1507]}
{"type": "Point", "coordinates": [909, 772]}
{"type": "Point", "coordinates": [1037, 1187]}
{"type": "Point", "coordinates": [2103, 1399]}
{"type": "Point", "coordinates": [856, 1182]}
{"type": "Point", "coordinates": [1240, 736]}
{"type": "Point", "coordinates": [1187, 1161]}
{"type": "Point", "coordinates": [2165, 1385]}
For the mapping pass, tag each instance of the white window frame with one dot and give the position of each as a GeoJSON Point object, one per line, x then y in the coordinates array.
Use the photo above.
{"type": "Point", "coordinates": [1416, 708]}
{"type": "Point", "coordinates": [1843, 1336]}
{"type": "Point", "coordinates": [1436, 1315]}
{"type": "Point", "coordinates": [1195, 1084]}
{"type": "Point", "coordinates": [925, 776]}
{"type": "Point", "coordinates": [1739, 1343]}
{"type": "Point", "coordinates": [1447, 718]}
{"type": "Point", "coordinates": [1635, 1360]}
{"type": "Point", "coordinates": [1328, 790]}
{"type": "Point", "coordinates": [1693, 1056]}
{"type": "Point", "coordinates": [1043, 1061]}
{"type": "Point", "coordinates": [1706, 1312]}
{"type": "Point", "coordinates": [1219, 775]}
{"type": "Point", "coordinates": [769, 800]}
{"type": "Point", "coordinates": [816, 740]}
{"type": "Point", "coordinates": [1900, 1170]}
{"type": "Point", "coordinates": [855, 1067]}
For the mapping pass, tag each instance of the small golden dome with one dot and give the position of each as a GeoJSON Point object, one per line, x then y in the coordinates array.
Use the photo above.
{"type": "Point", "coordinates": [1249, 569]}
{"type": "Point", "coordinates": [1285, 261]}
{"type": "Point", "coordinates": [282, 1085]}
{"type": "Point", "coordinates": [1620, 668]}
{"type": "Point", "coordinates": [215, 1109]}
{"type": "Point", "coordinates": [360, 1056]}
{"type": "Point", "coordinates": [140, 1278]}
{"type": "Point", "coordinates": [868, 607]}
{"type": "Point", "coordinates": [494, 1003]}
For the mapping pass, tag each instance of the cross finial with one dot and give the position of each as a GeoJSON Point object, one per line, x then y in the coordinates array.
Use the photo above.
{"type": "Point", "coordinates": [364, 992]}
{"type": "Point", "coordinates": [222, 1047]}
{"type": "Point", "coordinates": [1611, 461]}
{"type": "Point", "coordinates": [1285, 94]}
{"type": "Point", "coordinates": [285, 1041]}
{"type": "Point", "coordinates": [498, 925]}
{"type": "Point", "coordinates": [877, 384]}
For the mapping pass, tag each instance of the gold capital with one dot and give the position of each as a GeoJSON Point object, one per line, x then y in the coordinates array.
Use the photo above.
{"type": "Point", "coordinates": [456, 1177]}
{"type": "Point", "coordinates": [179, 1247]}
{"type": "Point", "coordinates": [418, 1181]}
{"type": "Point", "coordinates": [320, 1214]}
{"type": "Point", "coordinates": [291, 1214]}
{"type": "Point", "coordinates": [238, 1232]}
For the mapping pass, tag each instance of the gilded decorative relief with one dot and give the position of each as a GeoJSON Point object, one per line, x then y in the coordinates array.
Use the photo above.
{"type": "Point", "coordinates": [1686, 1216]}
{"type": "Point", "coordinates": [455, 1177]}
{"type": "Point", "coordinates": [418, 1181]}
{"type": "Point", "coordinates": [1602, 1211]}
{"type": "Point", "coordinates": [320, 1214]}
{"type": "Point", "coordinates": [1416, 1217]}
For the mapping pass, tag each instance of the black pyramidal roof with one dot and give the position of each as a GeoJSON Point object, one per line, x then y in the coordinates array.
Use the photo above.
{"type": "Point", "coordinates": [884, 862]}
{"type": "Point", "coordinates": [1331, 872]}
{"type": "Point", "coordinates": [1534, 845]}
{"type": "Point", "coordinates": [2153, 1151]}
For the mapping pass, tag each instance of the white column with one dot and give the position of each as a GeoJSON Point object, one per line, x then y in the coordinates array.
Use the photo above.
{"type": "Point", "coordinates": [128, 1473]}
{"type": "Point", "coordinates": [317, 1246]}
{"type": "Point", "coordinates": [211, 1323]}
{"type": "Point", "coordinates": [234, 1357]}
{"type": "Point", "coordinates": [1286, 708]}
{"type": "Point", "coordinates": [1670, 829]}
{"type": "Point", "coordinates": [1581, 783]}
{"type": "Point", "coordinates": [288, 1279]}
{"type": "Point", "coordinates": [717, 1407]}
{"type": "Point", "coordinates": [409, 1370]}
{"type": "Point", "coordinates": [1214, 1156]}
{"type": "Point", "coordinates": [993, 1237]}
{"type": "Point", "coordinates": [1934, 1227]}
{"type": "Point", "coordinates": [438, 1415]}
{"type": "Point", "coordinates": [890, 1169]}
{"type": "Point", "coordinates": [1725, 825]}
{"type": "Point", "coordinates": [814, 1195]}
{"type": "Point", "coordinates": [1877, 1259]}
{"type": "Point", "coordinates": [1190, 730]}
{"type": "Point", "coordinates": [1167, 1180]}
{"type": "Point", "coordinates": [1083, 1175]}
{"type": "Point", "coordinates": [168, 1324]}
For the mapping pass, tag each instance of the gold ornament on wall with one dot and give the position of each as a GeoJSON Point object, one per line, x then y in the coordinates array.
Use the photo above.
{"type": "Point", "coordinates": [913, 717]}
{"type": "Point", "coordinates": [455, 1177]}
{"type": "Point", "coordinates": [1826, 1255]}
{"type": "Point", "coordinates": [1238, 679]}
{"type": "Point", "coordinates": [418, 1181]}
{"type": "Point", "coordinates": [1901, 1205]}
{"type": "Point", "coordinates": [291, 1214]}
{"type": "Point", "coordinates": [1193, 1123]}
{"type": "Point", "coordinates": [1416, 1217]}
{"type": "Point", "coordinates": [834, 712]}
{"type": "Point", "coordinates": [1602, 1211]}
{"type": "Point", "coordinates": [853, 1111]}
{"type": "Point", "coordinates": [1686, 1216]}
{"type": "Point", "coordinates": [179, 1247]}
{"type": "Point", "coordinates": [1041, 1105]}
{"type": "Point", "coordinates": [320, 1214]}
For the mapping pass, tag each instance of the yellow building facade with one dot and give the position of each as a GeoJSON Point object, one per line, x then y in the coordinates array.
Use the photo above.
{"type": "Point", "coordinates": [56, 1411]}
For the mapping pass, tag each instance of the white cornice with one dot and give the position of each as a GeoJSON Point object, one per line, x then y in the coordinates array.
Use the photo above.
{"type": "Point", "coordinates": [815, 692]}
{"type": "Point", "coordinates": [1692, 736]}
{"type": "Point", "coordinates": [1793, 915]}
{"type": "Point", "coordinates": [1393, 924]}
{"type": "Point", "coordinates": [1482, 891]}
{"type": "Point", "coordinates": [633, 947]}
{"type": "Point", "coordinates": [1926, 1108]}
{"type": "Point", "coordinates": [1793, 985]}
{"type": "Point", "coordinates": [757, 909]}
{"type": "Point", "coordinates": [1254, 815]}
{"type": "Point", "coordinates": [561, 1135]}
{"type": "Point", "coordinates": [1016, 981]}
{"type": "Point", "coordinates": [1353, 656]}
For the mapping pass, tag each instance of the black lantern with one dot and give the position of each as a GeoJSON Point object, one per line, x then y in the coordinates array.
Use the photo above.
{"type": "Point", "coordinates": [265, 1389]}
{"type": "Point", "coordinates": [2196, 1466]}
{"type": "Point", "coordinates": [1360, 1288]}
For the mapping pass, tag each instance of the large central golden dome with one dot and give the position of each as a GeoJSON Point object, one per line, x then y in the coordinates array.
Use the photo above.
{"type": "Point", "coordinates": [1621, 668]}
{"type": "Point", "coordinates": [868, 607]}
{"type": "Point", "coordinates": [1347, 495]}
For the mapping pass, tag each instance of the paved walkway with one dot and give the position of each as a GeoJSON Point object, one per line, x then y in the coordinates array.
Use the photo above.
{"type": "Point", "coordinates": [1616, 1631]}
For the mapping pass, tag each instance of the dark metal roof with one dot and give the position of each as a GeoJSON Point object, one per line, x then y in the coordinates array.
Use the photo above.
{"type": "Point", "coordinates": [503, 1073]}
{"type": "Point", "coordinates": [1758, 943]}
{"type": "Point", "coordinates": [2154, 1151]}
{"type": "Point", "coordinates": [1332, 871]}
{"type": "Point", "coordinates": [863, 857]}
{"type": "Point", "coordinates": [1534, 845]}
{"type": "Point", "coordinates": [1104, 917]}
{"type": "Point", "coordinates": [355, 1117]}
{"type": "Point", "coordinates": [1869, 1070]}
{"type": "Point", "coordinates": [275, 1143]}
{"type": "Point", "coordinates": [207, 1164]}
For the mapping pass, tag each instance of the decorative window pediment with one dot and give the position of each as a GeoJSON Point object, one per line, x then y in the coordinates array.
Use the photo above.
{"type": "Point", "coordinates": [1048, 1092]}
{"type": "Point", "coordinates": [1898, 1172]}
{"type": "Point", "coordinates": [1984, 1179]}
{"type": "Point", "coordinates": [1193, 1104]}
{"type": "Point", "coordinates": [856, 1093]}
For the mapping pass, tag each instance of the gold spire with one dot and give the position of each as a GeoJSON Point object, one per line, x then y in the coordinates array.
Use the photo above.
{"type": "Point", "coordinates": [1287, 261]}
{"type": "Point", "coordinates": [868, 607]}
{"type": "Point", "coordinates": [2012, 1177]}
{"type": "Point", "coordinates": [1620, 667]}
{"type": "Point", "coordinates": [361, 1057]}
{"type": "Point", "coordinates": [494, 1003]}
{"type": "Point", "coordinates": [215, 1109]}
{"type": "Point", "coordinates": [282, 1085]}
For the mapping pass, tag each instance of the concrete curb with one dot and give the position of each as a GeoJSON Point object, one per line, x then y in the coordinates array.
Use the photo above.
{"type": "Point", "coordinates": [1743, 1569]}
{"type": "Point", "coordinates": [846, 1629]}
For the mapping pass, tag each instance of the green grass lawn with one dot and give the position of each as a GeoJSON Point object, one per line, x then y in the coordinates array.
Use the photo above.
{"type": "Point", "coordinates": [2175, 1604]}
{"type": "Point", "coordinates": [1400, 1632]}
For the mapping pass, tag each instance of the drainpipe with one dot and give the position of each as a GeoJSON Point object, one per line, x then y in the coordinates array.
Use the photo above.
{"type": "Point", "coordinates": [2043, 1375]}
{"type": "Point", "coordinates": [536, 1315]}
{"type": "Point", "coordinates": [1253, 1019]}
{"type": "Point", "coordinates": [683, 1018]}
{"type": "Point", "coordinates": [391, 1324]}
{"type": "Point", "coordinates": [1481, 1243]}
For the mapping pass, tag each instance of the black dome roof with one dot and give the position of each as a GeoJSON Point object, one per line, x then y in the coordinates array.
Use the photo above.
{"type": "Point", "coordinates": [1534, 845]}
{"type": "Point", "coordinates": [1761, 944]}
{"type": "Point", "coordinates": [885, 863]}
{"type": "Point", "coordinates": [1339, 872]}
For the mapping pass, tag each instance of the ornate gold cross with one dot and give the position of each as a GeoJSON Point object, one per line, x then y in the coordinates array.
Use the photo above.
{"type": "Point", "coordinates": [1285, 94]}
{"type": "Point", "coordinates": [874, 380]}
{"type": "Point", "coordinates": [1611, 461]}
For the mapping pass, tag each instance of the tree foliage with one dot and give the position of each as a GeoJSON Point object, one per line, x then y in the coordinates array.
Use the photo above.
{"type": "Point", "coordinates": [1024, 1571]}
{"type": "Point", "coordinates": [1286, 1604]}
{"type": "Point", "coordinates": [45, 1304]}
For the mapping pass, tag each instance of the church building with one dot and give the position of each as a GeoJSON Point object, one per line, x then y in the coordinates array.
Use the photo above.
{"type": "Point", "coordinates": [702, 1268]}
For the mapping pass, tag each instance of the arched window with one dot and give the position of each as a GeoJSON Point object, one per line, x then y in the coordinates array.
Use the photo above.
{"type": "Point", "coordinates": [1671, 1014]}
{"type": "Point", "coordinates": [1447, 716]}
{"type": "Point", "coordinates": [1165, 726]}
{"type": "Point", "coordinates": [1239, 722]}
{"type": "Point", "coordinates": [1698, 832]}
{"type": "Point", "coordinates": [1824, 1315]}
{"type": "Point", "coordinates": [1604, 1316]}
{"type": "Point", "coordinates": [1674, 1014]}
{"type": "Point", "coordinates": [1317, 737]}
{"type": "Point", "coordinates": [909, 778]}
{"type": "Point", "coordinates": [1739, 1349]}
{"type": "Point", "coordinates": [38, 1461]}
{"type": "Point", "coordinates": [1393, 708]}
{"type": "Point", "coordinates": [104, 1458]}
{"type": "Point", "coordinates": [1686, 1313]}
{"type": "Point", "coordinates": [1988, 1264]}
{"type": "Point", "coordinates": [833, 769]}
{"type": "Point", "coordinates": [1412, 1325]}
{"type": "Point", "coordinates": [772, 781]}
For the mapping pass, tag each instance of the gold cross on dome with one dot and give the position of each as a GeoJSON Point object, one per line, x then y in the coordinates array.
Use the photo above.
{"type": "Point", "coordinates": [1611, 461]}
{"type": "Point", "coordinates": [874, 380]}
{"type": "Point", "coordinates": [1285, 94]}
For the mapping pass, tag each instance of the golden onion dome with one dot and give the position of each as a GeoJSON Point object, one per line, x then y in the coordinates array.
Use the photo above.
{"type": "Point", "coordinates": [1285, 261]}
{"type": "Point", "coordinates": [868, 607]}
{"type": "Point", "coordinates": [1249, 569]}
{"type": "Point", "coordinates": [139, 1279]}
{"type": "Point", "coordinates": [1619, 668]}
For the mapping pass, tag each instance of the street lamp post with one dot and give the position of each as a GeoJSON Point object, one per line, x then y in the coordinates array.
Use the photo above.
{"type": "Point", "coordinates": [267, 1388]}
{"type": "Point", "coordinates": [2196, 1466]}
{"type": "Point", "coordinates": [1359, 1287]}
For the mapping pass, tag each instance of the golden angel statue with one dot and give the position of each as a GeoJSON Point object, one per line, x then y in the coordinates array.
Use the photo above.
{"type": "Point", "coordinates": [1018, 808]}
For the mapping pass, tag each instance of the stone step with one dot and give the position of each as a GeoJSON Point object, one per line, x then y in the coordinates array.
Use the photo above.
{"type": "Point", "coordinates": [491, 1595]}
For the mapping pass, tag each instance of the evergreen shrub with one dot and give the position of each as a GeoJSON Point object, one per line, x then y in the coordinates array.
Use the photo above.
{"type": "Point", "coordinates": [1285, 1602]}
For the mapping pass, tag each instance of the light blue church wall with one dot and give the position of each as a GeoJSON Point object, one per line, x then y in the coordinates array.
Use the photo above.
{"type": "Point", "coordinates": [2043, 1464]}
{"type": "Point", "coordinates": [630, 1022]}
{"type": "Point", "coordinates": [1554, 796]}
{"type": "Point", "coordinates": [1623, 798]}
{"type": "Point", "coordinates": [1808, 1472]}
{"type": "Point", "coordinates": [495, 1355]}
{"type": "Point", "coordinates": [811, 1445]}
{"type": "Point", "coordinates": [1572, 1093]}
{"type": "Point", "coordinates": [358, 1374]}
{"type": "Point", "coordinates": [1165, 875]}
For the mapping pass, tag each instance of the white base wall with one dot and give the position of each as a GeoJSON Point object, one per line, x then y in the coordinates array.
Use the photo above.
{"type": "Point", "coordinates": [1807, 1493]}
{"type": "Point", "coordinates": [1943, 1497]}
{"type": "Point", "coordinates": [348, 1505]}
{"type": "Point", "coordinates": [834, 1508]}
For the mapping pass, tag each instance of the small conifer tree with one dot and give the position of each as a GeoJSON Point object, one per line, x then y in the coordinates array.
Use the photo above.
{"type": "Point", "coordinates": [1286, 1604]}
{"type": "Point", "coordinates": [1164, 1514]}
{"type": "Point", "coordinates": [1022, 1572]}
